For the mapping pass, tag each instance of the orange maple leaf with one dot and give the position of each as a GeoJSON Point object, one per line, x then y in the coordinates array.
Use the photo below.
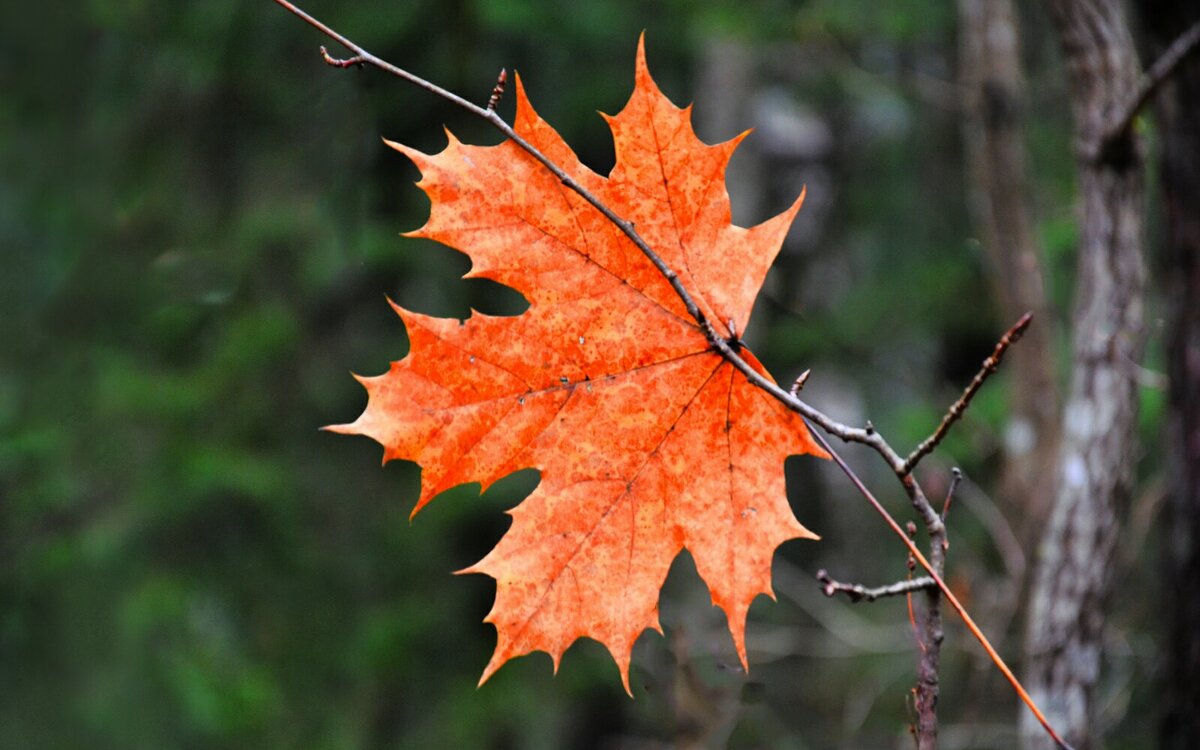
{"type": "Point", "coordinates": [647, 440]}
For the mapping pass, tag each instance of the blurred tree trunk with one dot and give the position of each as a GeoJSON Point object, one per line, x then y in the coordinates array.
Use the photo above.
{"type": "Point", "coordinates": [993, 91]}
{"type": "Point", "coordinates": [1178, 106]}
{"type": "Point", "coordinates": [1073, 577]}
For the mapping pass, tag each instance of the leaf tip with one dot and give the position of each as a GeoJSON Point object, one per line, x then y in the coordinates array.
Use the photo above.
{"type": "Point", "coordinates": [642, 68]}
{"type": "Point", "coordinates": [400, 311]}
{"type": "Point", "coordinates": [525, 117]}
{"type": "Point", "coordinates": [813, 448]}
{"type": "Point", "coordinates": [495, 663]}
{"type": "Point", "coordinates": [415, 156]}
{"type": "Point", "coordinates": [428, 492]}
{"type": "Point", "coordinates": [625, 679]}
{"type": "Point", "coordinates": [740, 643]}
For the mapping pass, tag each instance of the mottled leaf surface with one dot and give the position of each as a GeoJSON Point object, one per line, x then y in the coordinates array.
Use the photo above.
{"type": "Point", "coordinates": [648, 442]}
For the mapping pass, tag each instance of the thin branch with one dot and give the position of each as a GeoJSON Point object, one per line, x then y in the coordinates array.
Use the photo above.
{"type": "Point", "coordinates": [959, 407]}
{"type": "Point", "coordinates": [498, 89]}
{"type": "Point", "coordinates": [798, 383]}
{"type": "Point", "coordinates": [728, 348]}
{"type": "Point", "coordinates": [944, 589]}
{"type": "Point", "coordinates": [1156, 75]}
{"type": "Point", "coordinates": [625, 226]}
{"type": "Point", "coordinates": [340, 62]}
{"type": "Point", "coordinates": [910, 528]}
{"type": "Point", "coordinates": [856, 592]}
{"type": "Point", "coordinates": [955, 478]}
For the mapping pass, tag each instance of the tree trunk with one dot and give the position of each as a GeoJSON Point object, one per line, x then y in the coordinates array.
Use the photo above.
{"type": "Point", "coordinates": [1178, 109]}
{"type": "Point", "coordinates": [1073, 576]}
{"type": "Point", "coordinates": [994, 102]}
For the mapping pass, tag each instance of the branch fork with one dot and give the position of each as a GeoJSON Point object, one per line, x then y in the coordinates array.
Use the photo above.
{"type": "Point", "coordinates": [730, 348]}
{"type": "Point", "coordinates": [1112, 137]}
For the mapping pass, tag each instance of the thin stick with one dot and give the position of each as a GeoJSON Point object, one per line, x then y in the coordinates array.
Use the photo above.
{"type": "Point", "coordinates": [498, 89]}
{"type": "Point", "coordinates": [340, 62]}
{"type": "Point", "coordinates": [1156, 75]}
{"type": "Point", "coordinates": [959, 407]}
{"type": "Point", "coordinates": [856, 592]}
{"type": "Point", "coordinates": [945, 590]}
{"type": "Point", "coordinates": [626, 227]}
{"type": "Point", "coordinates": [723, 346]}
{"type": "Point", "coordinates": [726, 347]}
{"type": "Point", "coordinates": [910, 563]}
{"type": "Point", "coordinates": [955, 478]}
{"type": "Point", "coordinates": [798, 383]}
{"type": "Point", "coordinates": [912, 621]}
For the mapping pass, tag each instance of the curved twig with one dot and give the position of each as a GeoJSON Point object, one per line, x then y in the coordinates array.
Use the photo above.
{"type": "Point", "coordinates": [728, 348]}
{"type": "Point", "coordinates": [1156, 75]}
{"type": "Point", "coordinates": [935, 551]}
{"type": "Point", "coordinates": [959, 407]}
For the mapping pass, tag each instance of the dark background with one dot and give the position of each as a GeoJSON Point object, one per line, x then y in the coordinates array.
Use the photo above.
{"type": "Point", "coordinates": [199, 227]}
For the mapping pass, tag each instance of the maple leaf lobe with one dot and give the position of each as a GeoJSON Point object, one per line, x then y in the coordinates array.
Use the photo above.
{"type": "Point", "coordinates": [647, 441]}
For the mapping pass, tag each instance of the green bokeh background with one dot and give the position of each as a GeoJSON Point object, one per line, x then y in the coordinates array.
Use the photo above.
{"type": "Point", "coordinates": [199, 228]}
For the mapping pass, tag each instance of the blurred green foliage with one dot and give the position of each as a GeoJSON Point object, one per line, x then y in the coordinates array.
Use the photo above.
{"type": "Point", "coordinates": [199, 228]}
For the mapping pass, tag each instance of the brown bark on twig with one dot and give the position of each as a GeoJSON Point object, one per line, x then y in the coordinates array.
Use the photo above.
{"type": "Point", "coordinates": [1170, 58]}
{"type": "Point", "coordinates": [856, 592]}
{"type": "Point", "coordinates": [1073, 575]}
{"type": "Point", "coordinates": [959, 407]}
{"type": "Point", "coordinates": [931, 629]}
{"type": "Point", "coordinates": [1178, 117]}
{"type": "Point", "coordinates": [993, 90]}
{"type": "Point", "coordinates": [729, 347]}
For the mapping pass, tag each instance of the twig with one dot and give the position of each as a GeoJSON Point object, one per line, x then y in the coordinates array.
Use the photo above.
{"type": "Point", "coordinates": [856, 592]}
{"type": "Point", "coordinates": [728, 348]}
{"type": "Point", "coordinates": [959, 407]}
{"type": "Point", "coordinates": [955, 478]}
{"type": "Point", "coordinates": [910, 528]}
{"type": "Point", "coordinates": [935, 552]}
{"type": "Point", "coordinates": [498, 89]}
{"type": "Point", "coordinates": [844, 624]}
{"type": "Point", "coordinates": [1156, 75]}
{"type": "Point", "coordinates": [798, 383]}
{"type": "Point", "coordinates": [625, 226]}
{"type": "Point", "coordinates": [339, 62]}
